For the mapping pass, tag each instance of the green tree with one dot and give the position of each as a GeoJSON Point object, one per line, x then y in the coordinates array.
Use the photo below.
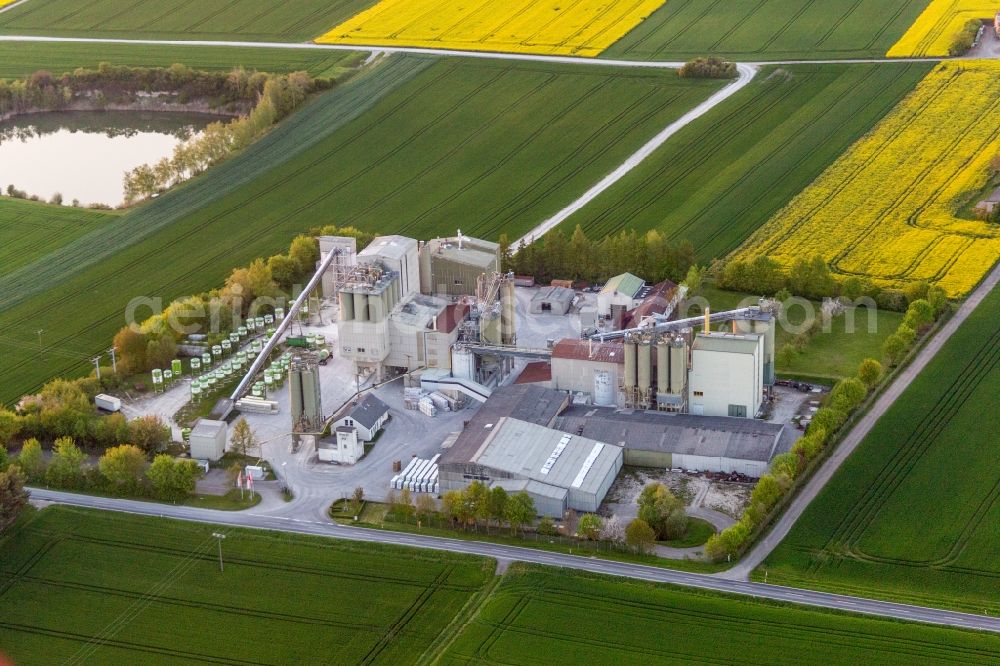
{"type": "Point", "coordinates": [10, 427]}
{"type": "Point", "coordinates": [497, 504]}
{"type": "Point", "coordinates": [243, 439]}
{"type": "Point", "coordinates": [870, 372]}
{"type": "Point", "coordinates": [920, 314]}
{"type": "Point", "coordinates": [476, 500]}
{"type": "Point", "coordinates": [786, 464]}
{"type": "Point", "coordinates": [894, 348]}
{"type": "Point", "coordinates": [520, 511]}
{"type": "Point", "coordinates": [451, 504]}
{"type": "Point", "coordinates": [122, 466]}
{"type": "Point", "coordinates": [693, 280]}
{"type": "Point", "coordinates": [767, 492]}
{"type": "Point", "coordinates": [848, 394]}
{"type": "Point", "coordinates": [590, 526]}
{"type": "Point", "coordinates": [13, 496]}
{"type": "Point", "coordinates": [547, 527]}
{"type": "Point", "coordinates": [31, 460]}
{"type": "Point", "coordinates": [65, 469]}
{"type": "Point", "coordinates": [425, 507]}
{"type": "Point", "coordinates": [172, 479]}
{"type": "Point", "coordinates": [640, 536]}
{"type": "Point", "coordinates": [304, 251]}
{"type": "Point", "coordinates": [149, 433]}
{"type": "Point", "coordinates": [284, 270]}
{"type": "Point", "coordinates": [656, 507]}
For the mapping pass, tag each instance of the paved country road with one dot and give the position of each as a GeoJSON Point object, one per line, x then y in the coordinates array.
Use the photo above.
{"type": "Point", "coordinates": [514, 553]}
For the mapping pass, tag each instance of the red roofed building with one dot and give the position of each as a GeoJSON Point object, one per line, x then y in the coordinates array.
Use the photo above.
{"type": "Point", "coordinates": [588, 367]}
{"type": "Point", "coordinates": [539, 372]}
{"type": "Point", "coordinates": [656, 300]}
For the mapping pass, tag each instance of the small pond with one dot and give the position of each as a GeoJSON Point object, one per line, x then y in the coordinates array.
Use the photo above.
{"type": "Point", "coordinates": [84, 155]}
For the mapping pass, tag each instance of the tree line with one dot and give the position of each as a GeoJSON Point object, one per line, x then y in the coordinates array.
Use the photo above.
{"type": "Point", "coordinates": [661, 515]}
{"type": "Point", "coordinates": [277, 97]}
{"type": "Point", "coordinates": [234, 91]}
{"type": "Point", "coordinates": [810, 277]}
{"type": "Point", "coordinates": [122, 470]}
{"type": "Point", "coordinates": [649, 255]}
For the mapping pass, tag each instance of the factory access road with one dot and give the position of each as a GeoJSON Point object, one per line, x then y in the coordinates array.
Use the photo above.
{"type": "Point", "coordinates": [857, 434]}
{"type": "Point", "coordinates": [505, 553]}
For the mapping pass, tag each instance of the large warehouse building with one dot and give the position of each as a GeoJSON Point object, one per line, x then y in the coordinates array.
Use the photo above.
{"type": "Point", "coordinates": [509, 443]}
{"type": "Point", "coordinates": [698, 443]}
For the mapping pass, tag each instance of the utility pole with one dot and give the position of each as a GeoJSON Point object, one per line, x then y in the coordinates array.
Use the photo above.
{"type": "Point", "coordinates": [97, 366]}
{"type": "Point", "coordinates": [114, 361]}
{"type": "Point", "coordinates": [219, 537]}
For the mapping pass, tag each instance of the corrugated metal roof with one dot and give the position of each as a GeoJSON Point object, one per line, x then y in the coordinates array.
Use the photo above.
{"type": "Point", "coordinates": [553, 457]}
{"type": "Point", "coordinates": [527, 402]}
{"type": "Point", "coordinates": [724, 342]}
{"type": "Point", "coordinates": [626, 283]}
{"type": "Point", "coordinates": [394, 247]}
{"type": "Point", "coordinates": [553, 294]}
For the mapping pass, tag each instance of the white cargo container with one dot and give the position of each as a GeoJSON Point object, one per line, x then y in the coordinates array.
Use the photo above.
{"type": "Point", "coordinates": [108, 403]}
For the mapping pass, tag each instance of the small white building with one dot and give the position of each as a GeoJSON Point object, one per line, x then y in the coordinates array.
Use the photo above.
{"type": "Point", "coordinates": [727, 375]}
{"type": "Point", "coordinates": [623, 292]}
{"type": "Point", "coordinates": [344, 447]}
{"type": "Point", "coordinates": [208, 440]}
{"type": "Point", "coordinates": [367, 417]}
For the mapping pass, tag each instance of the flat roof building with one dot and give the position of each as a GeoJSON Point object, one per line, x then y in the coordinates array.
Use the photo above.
{"type": "Point", "coordinates": [554, 300]}
{"type": "Point", "coordinates": [727, 374]}
{"type": "Point", "coordinates": [452, 266]}
{"type": "Point", "coordinates": [701, 443]}
{"type": "Point", "coordinates": [208, 440]}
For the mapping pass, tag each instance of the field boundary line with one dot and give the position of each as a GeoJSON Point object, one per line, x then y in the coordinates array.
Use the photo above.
{"type": "Point", "coordinates": [463, 618]}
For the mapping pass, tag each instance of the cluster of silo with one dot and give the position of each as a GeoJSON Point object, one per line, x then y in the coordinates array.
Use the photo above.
{"type": "Point", "coordinates": [638, 378]}
{"type": "Point", "coordinates": [669, 356]}
{"type": "Point", "coordinates": [304, 391]}
{"type": "Point", "coordinates": [363, 306]}
{"type": "Point", "coordinates": [671, 372]}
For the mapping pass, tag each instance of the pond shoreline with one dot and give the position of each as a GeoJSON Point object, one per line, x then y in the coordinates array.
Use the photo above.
{"type": "Point", "coordinates": [156, 107]}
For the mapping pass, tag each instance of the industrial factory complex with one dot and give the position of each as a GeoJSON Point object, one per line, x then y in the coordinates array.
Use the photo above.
{"type": "Point", "coordinates": [622, 381]}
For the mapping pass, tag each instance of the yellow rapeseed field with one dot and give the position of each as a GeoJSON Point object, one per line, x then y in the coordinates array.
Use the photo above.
{"type": "Point", "coordinates": [6, 2]}
{"type": "Point", "coordinates": [931, 34]}
{"type": "Point", "coordinates": [555, 27]}
{"type": "Point", "coordinates": [890, 208]}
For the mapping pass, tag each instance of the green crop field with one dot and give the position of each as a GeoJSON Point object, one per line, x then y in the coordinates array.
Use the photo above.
{"type": "Point", "coordinates": [81, 585]}
{"type": "Point", "coordinates": [914, 513]}
{"type": "Point", "coordinates": [416, 146]}
{"type": "Point", "coordinates": [727, 173]}
{"type": "Point", "coordinates": [233, 20]}
{"type": "Point", "coordinates": [22, 58]}
{"type": "Point", "coordinates": [541, 616]}
{"type": "Point", "coordinates": [30, 230]}
{"type": "Point", "coordinates": [78, 585]}
{"type": "Point", "coordinates": [758, 30]}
